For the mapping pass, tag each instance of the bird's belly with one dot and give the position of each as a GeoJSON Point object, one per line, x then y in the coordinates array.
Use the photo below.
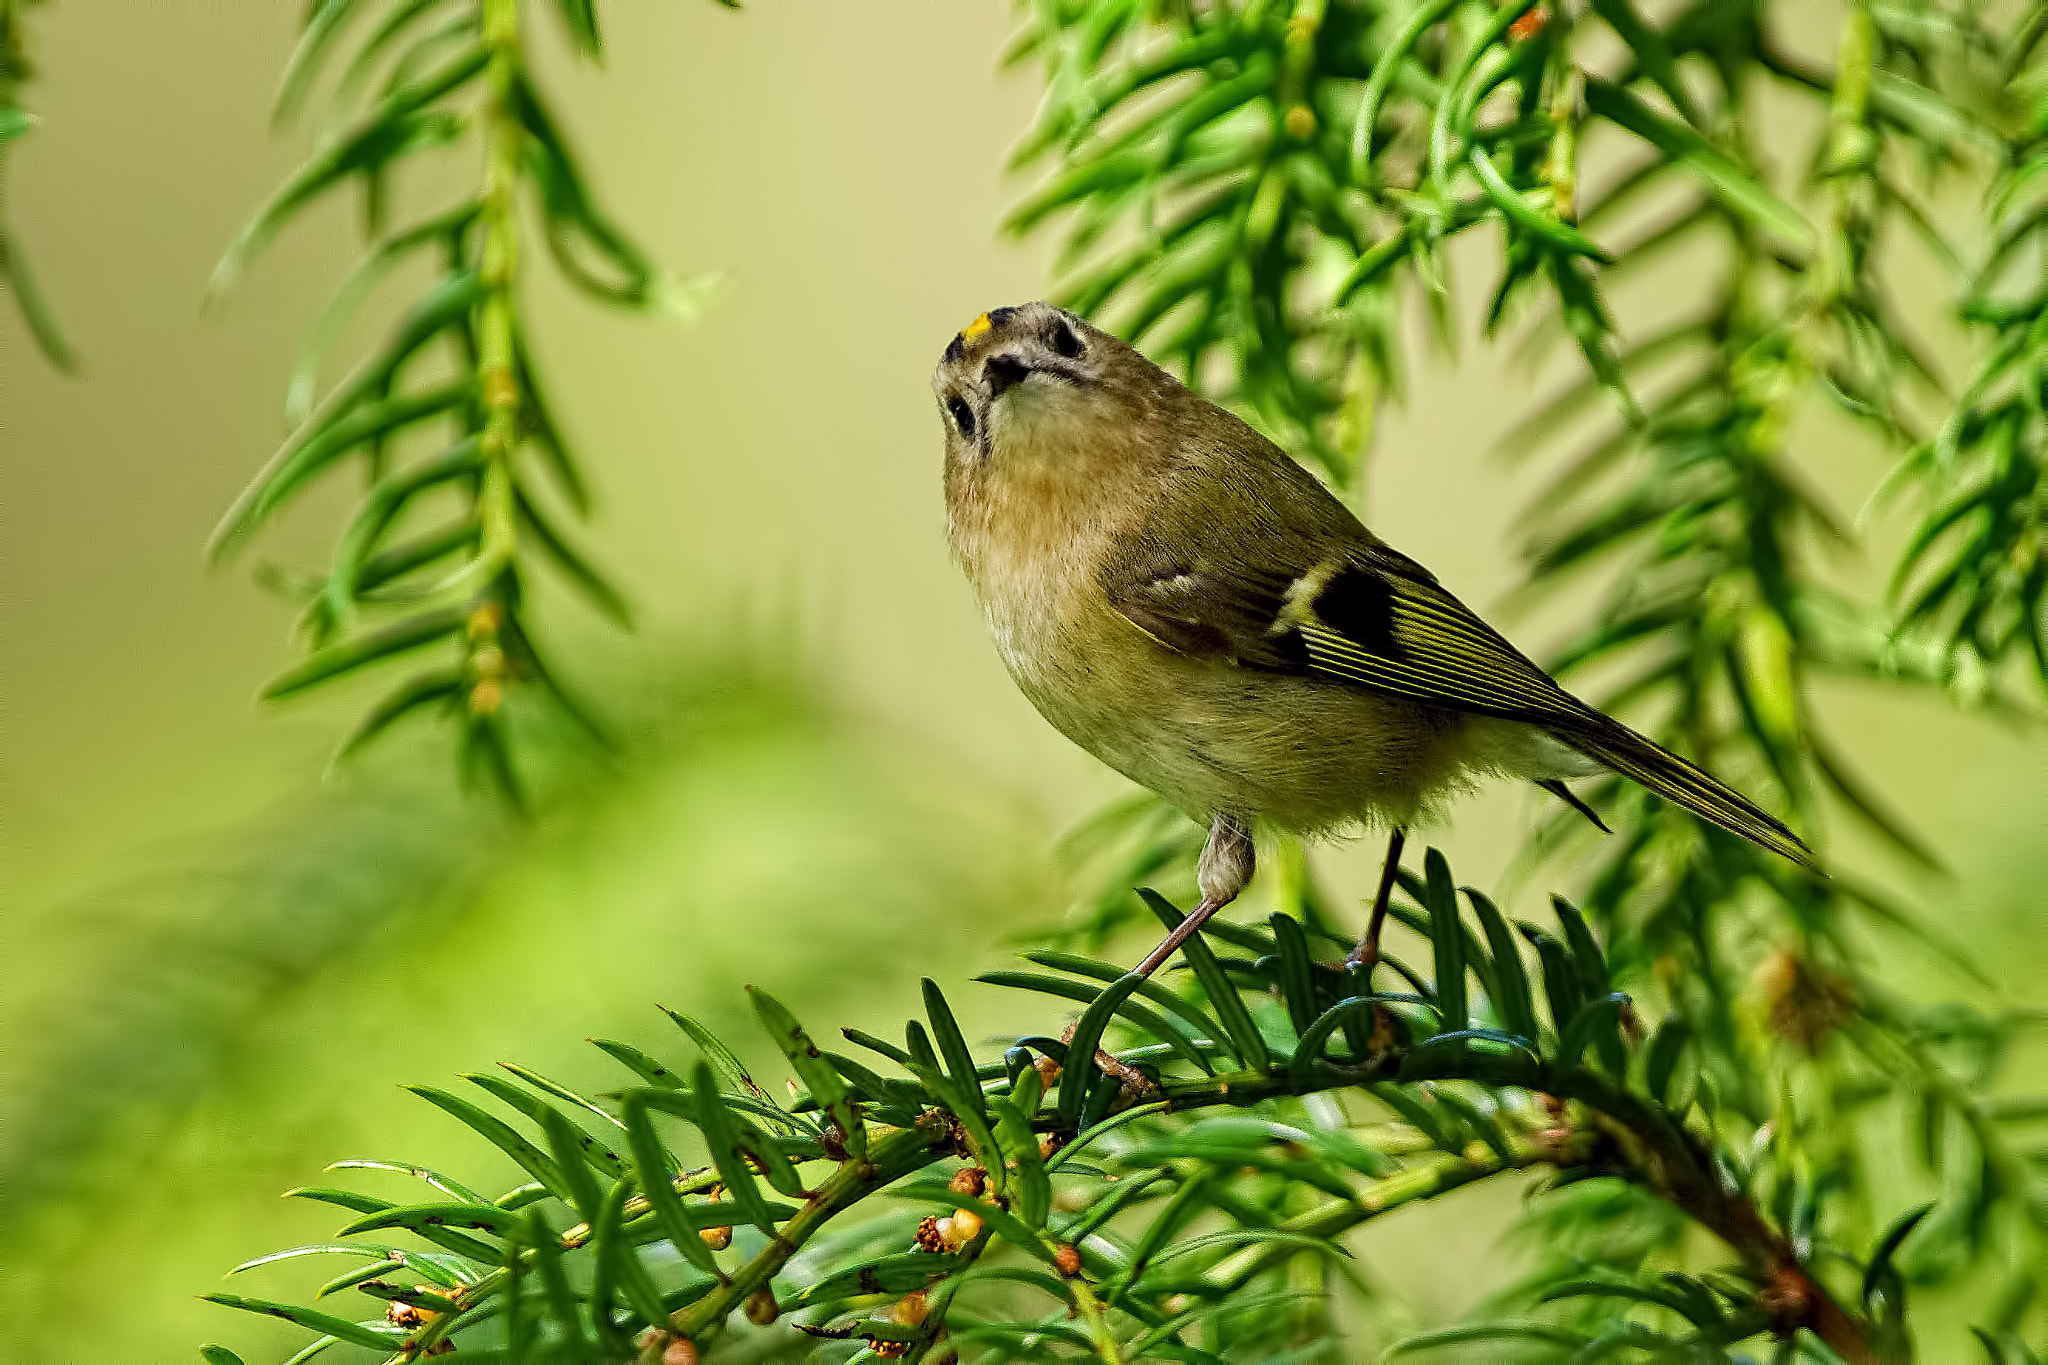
{"type": "Point", "coordinates": [1300, 753]}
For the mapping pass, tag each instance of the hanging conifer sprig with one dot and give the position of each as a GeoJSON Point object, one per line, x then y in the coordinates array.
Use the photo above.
{"type": "Point", "coordinates": [16, 122]}
{"type": "Point", "coordinates": [469, 480]}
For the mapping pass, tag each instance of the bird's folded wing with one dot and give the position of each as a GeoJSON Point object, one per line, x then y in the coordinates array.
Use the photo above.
{"type": "Point", "coordinates": [1371, 617]}
{"type": "Point", "coordinates": [1374, 618]}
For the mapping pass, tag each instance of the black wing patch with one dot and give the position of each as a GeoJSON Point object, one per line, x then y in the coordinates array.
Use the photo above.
{"type": "Point", "coordinates": [1383, 622]}
{"type": "Point", "coordinates": [1359, 605]}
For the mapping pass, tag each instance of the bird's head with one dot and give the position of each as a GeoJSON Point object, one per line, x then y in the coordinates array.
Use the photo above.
{"type": "Point", "coordinates": [1032, 379]}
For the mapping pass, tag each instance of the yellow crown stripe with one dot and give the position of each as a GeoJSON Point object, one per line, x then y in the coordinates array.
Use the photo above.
{"type": "Point", "coordinates": [977, 329]}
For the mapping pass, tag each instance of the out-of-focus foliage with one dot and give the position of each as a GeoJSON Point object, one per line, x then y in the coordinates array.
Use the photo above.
{"type": "Point", "coordinates": [221, 1019]}
{"type": "Point", "coordinates": [1974, 578]}
{"type": "Point", "coordinates": [468, 476]}
{"type": "Point", "coordinates": [15, 122]}
{"type": "Point", "coordinates": [1254, 192]}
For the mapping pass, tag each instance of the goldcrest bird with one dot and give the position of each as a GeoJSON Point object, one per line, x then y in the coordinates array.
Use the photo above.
{"type": "Point", "coordinates": [1184, 601]}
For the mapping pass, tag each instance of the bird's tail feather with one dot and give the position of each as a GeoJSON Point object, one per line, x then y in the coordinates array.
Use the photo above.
{"type": "Point", "coordinates": [1649, 764]}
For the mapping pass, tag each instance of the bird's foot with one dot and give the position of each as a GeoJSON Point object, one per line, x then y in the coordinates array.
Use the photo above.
{"type": "Point", "coordinates": [1134, 1081]}
{"type": "Point", "coordinates": [1361, 962]}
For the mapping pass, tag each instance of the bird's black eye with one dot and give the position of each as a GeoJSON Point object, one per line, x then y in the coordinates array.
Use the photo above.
{"type": "Point", "coordinates": [1064, 341]}
{"type": "Point", "coordinates": [963, 416]}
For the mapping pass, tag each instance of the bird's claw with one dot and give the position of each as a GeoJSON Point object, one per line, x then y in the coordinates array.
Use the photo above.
{"type": "Point", "coordinates": [1134, 1081]}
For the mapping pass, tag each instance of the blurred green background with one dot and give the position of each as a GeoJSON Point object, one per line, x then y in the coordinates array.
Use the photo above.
{"type": "Point", "coordinates": [217, 966]}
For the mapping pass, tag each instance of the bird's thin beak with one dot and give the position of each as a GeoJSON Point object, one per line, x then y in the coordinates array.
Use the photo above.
{"type": "Point", "coordinates": [1004, 372]}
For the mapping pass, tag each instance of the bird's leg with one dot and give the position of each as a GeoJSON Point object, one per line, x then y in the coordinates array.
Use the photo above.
{"type": "Point", "coordinates": [1225, 868]}
{"type": "Point", "coordinates": [1367, 953]}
